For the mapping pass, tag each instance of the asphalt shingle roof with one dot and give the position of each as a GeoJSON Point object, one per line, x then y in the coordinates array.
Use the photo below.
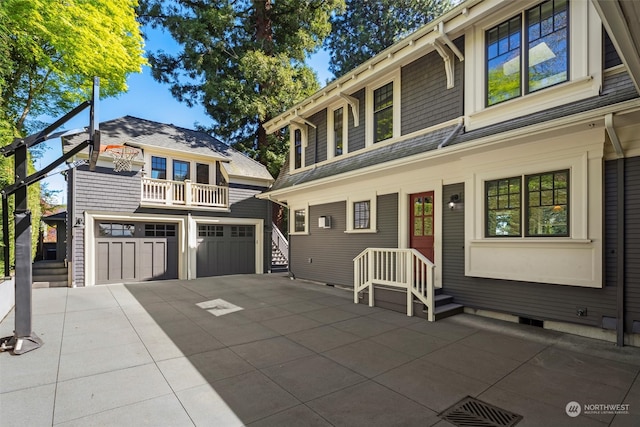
{"type": "Point", "coordinates": [138, 132]}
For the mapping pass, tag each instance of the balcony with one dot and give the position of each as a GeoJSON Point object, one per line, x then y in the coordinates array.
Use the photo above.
{"type": "Point", "coordinates": [161, 192]}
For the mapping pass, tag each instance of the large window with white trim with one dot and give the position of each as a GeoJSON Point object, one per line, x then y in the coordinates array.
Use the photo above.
{"type": "Point", "coordinates": [338, 131]}
{"type": "Point", "coordinates": [528, 52]}
{"type": "Point", "coordinates": [297, 148]}
{"type": "Point", "coordinates": [383, 112]}
{"type": "Point", "coordinates": [300, 220]}
{"type": "Point", "coordinates": [546, 205]}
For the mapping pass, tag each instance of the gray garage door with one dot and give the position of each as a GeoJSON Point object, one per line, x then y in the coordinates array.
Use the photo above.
{"type": "Point", "coordinates": [226, 249]}
{"type": "Point", "coordinates": [133, 252]}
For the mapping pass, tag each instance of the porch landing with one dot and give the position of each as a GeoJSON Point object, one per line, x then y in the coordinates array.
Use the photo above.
{"type": "Point", "coordinates": [296, 354]}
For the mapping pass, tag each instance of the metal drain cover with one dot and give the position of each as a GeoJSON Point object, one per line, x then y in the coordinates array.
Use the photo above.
{"type": "Point", "coordinates": [473, 412]}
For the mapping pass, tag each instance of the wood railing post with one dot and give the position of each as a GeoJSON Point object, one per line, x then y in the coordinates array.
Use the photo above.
{"type": "Point", "coordinates": [410, 268]}
{"type": "Point", "coordinates": [187, 192]}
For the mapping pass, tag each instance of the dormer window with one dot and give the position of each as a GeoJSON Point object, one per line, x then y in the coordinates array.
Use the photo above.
{"type": "Point", "coordinates": [298, 144]}
{"type": "Point", "coordinates": [158, 167]}
{"type": "Point", "coordinates": [545, 61]}
{"type": "Point", "coordinates": [180, 170]}
{"type": "Point", "coordinates": [383, 112]}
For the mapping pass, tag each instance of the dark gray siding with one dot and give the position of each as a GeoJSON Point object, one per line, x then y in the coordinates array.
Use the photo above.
{"type": "Point", "coordinates": [356, 134]}
{"type": "Point", "coordinates": [426, 101]}
{"type": "Point", "coordinates": [610, 56]}
{"type": "Point", "coordinates": [632, 240]}
{"type": "Point", "coordinates": [331, 251]}
{"type": "Point", "coordinates": [533, 300]}
{"type": "Point", "coordinates": [316, 150]}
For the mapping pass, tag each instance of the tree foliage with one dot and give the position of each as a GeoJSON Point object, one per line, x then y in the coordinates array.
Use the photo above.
{"type": "Point", "coordinates": [49, 52]}
{"type": "Point", "coordinates": [243, 60]}
{"type": "Point", "coordinates": [369, 26]}
{"type": "Point", "coordinates": [56, 47]}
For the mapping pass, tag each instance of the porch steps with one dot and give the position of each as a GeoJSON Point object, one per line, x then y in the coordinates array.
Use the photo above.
{"type": "Point", "coordinates": [395, 299]}
{"type": "Point", "coordinates": [278, 260]}
{"type": "Point", "coordinates": [49, 274]}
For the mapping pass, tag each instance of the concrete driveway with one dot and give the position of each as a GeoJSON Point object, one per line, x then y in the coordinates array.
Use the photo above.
{"type": "Point", "coordinates": [175, 353]}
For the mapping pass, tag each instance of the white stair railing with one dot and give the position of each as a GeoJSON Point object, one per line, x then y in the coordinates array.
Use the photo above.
{"type": "Point", "coordinates": [280, 241]}
{"type": "Point", "coordinates": [401, 268]}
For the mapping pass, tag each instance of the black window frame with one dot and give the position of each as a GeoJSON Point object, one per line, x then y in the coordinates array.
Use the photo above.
{"type": "Point", "coordinates": [300, 220]}
{"type": "Point", "coordinates": [500, 207]}
{"type": "Point", "coordinates": [181, 162]}
{"type": "Point", "coordinates": [297, 148]}
{"type": "Point", "coordinates": [362, 215]}
{"type": "Point", "coordinates": [159, 166]}
{"type": "Point", "coordinates": [160, 230]}
{"type": "Point", "coordinates": [382, 106]}
{"type": "Point", "coordinates": [338, 132]}
{"type": "Point", "coordinates": [202, 177]}
{"type": "Point", "coordinates": [525, 40]}
{"type": "Point", "coordinates": [116, 229]}
{"type": "Point", "coordinates": [210, 230]}
{"type": "Point", "coordinates": [556, 200]}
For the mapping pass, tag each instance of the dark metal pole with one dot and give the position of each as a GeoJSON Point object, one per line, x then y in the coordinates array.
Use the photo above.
{"type": "Point", "coordinates": [24, 339]}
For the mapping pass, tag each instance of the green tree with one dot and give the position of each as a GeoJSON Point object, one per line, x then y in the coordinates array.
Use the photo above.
{"type": "Point", "coordinates": [369, 26]}
{"type": "Point", "coordinates": [243, 60]}
{"type": "Point", "coordinates": [49, 52]}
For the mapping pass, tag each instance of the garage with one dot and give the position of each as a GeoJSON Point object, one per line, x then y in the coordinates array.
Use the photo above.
{"type": "Point", "coordinates": [134, 252]}
{"type": "Point", "coordinates": [225, 249]}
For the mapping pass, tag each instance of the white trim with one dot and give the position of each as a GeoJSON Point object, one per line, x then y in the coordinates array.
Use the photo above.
{"type": "Point", "coordinates": [331, 143]}
{"type": "Point", "coordinates": [394, 77]}
{"type": "Point", "coordinates": [373, 214]}
{"type": "Point", "coordinates": [292, 220]}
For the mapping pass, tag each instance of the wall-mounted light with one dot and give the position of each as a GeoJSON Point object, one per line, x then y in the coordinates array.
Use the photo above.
{"type": "Point", "coordinates": [455, 198]}
{"type": "Point", "coordinates": [324, 222]}
{"type": "Point", "coordinates": [79, 222]}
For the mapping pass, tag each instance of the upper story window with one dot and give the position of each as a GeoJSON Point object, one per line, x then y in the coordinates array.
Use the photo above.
{"type": "Point", "coordinates": [180, 170]}
{"type": "Point", "coordinates": [513, 71]}
{"type": "Point", "coordinates": [202, 173]}
{"type": "Point", "coordinates": [338, 131]}
{"type": "Point", "coordinates": [546, 202]}
{"type": "Point", "coordinates": [383, 112]}
{"type": "Point", "coordinates": [158, 167]}
{"type": "Point", "coordinates": [297, 148]}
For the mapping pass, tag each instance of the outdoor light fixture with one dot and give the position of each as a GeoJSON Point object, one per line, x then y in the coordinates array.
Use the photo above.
{"type": "Point", "coordinates": [455, 198]}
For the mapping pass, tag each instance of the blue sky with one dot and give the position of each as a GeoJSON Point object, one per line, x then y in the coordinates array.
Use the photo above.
{"type": "Point", "coordinates": [149, 100]}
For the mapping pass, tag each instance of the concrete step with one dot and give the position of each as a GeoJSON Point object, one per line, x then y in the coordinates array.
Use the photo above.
{"type": "Point", "coordinates": [48, 270]}
{"type": "Point", "coordinates": [50, 284]}
{"type": "Point", "coordinates": [49, 277]}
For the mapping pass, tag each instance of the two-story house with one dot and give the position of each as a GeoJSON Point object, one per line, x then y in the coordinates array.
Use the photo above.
{"type": "Point", "coordinates": [493, 153]}
{"type": "Point", "coordinates": [185, 210]}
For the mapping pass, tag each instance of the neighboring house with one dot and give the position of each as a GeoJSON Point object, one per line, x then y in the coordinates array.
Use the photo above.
{"type": "Point", "coordinates": [501, 141]}
{"type": "Point", "coordinates": [185, 210]}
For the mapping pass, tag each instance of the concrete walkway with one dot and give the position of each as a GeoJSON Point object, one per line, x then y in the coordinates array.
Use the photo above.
{"type": "Point", "coordinates": [297, 354]}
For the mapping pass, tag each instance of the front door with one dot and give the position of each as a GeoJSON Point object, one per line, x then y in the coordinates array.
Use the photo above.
{"type": "Point", "coordinates": [421, 223]}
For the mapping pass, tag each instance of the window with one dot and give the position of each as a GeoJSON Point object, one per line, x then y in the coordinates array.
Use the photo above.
{"type": "Point", "coordinates": [159, 230]}
{"type": "Point", "coordinates": [242, 231]}
{"type": "Point", "coordinates": [111, 229]}
{"type": "Point", "coordinates": [545, 62]}
{"type": "Point", "coordinates": [210, 231]}
{"type": "Point", "coordinates": [546, 208]}
{"type": "Point", "coordinates": [383, 113]}
{"type": "Point", "coordinates": [300, 221]}
{"type": "Point", "coordinates": [180, 170]}
{"type": "Point", "coordinates": [158, 167]}
{"type": "Point", "coordinates": [338, 129]}
{"type": "Point", "coordinates": [362, 215]}
{"type": "Point", "coordinates": [297, 148]}
{"type": "Point", "coordinates": [202, 173]}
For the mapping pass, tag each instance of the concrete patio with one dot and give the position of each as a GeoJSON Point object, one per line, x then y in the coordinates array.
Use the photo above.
{"type": "Point", "coordinates": [297, 354]}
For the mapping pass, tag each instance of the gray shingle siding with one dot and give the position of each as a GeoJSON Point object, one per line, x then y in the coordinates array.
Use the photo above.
{"type": "Point", "coordinates": [356, 135]}
{"type": "Point", "coordinates": [316, 150]}
{"type": "Point", "coordinates": [632, 240]}
{"type": "Point", "coordinates": [426, 101]}
{"type": "Point", "coordinates": [332, 250]}
{"type": "Point", "coordinates": [532, 300]}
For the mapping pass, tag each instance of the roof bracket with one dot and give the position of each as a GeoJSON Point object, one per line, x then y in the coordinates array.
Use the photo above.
{"type": "Point", "coordinates": [613, 136]}
{"type": "Point", "coordinates": [299, 120]}
{"type": "Point", "coordinates": [448, 62]}
{"type": "Point", "coordinates": [354, 103]}
{"type": "Point", "coordinates": [447, 41]}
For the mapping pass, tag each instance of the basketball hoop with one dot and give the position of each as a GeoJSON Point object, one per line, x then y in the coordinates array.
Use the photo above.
{"type": "Point", "coordinates": [122, 156]}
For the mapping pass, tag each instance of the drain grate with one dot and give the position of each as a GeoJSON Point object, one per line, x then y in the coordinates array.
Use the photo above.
{"type": "Point", "coordinates": [473, 412]}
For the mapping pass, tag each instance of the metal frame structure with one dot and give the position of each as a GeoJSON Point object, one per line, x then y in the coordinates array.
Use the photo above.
{"type": "Point", "coordinates": [24, 339]}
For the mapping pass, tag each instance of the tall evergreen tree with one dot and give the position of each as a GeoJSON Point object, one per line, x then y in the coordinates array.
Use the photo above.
{"type": "Point", "coordinates": [369, 26]}
{"type": "Point", "coordinates": [243, 60]}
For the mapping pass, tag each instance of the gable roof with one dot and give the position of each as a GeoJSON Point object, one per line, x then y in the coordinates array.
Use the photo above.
{"type": "Point", "coordinates": [142, 133]}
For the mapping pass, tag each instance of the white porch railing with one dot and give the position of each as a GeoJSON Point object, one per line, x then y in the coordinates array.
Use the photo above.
{"type": "Point", "coordinates": [280, 241]}
{"type": "Point", "coordinates": [164, 192]}
{"type": "Point", "coordinates": [402, 268]}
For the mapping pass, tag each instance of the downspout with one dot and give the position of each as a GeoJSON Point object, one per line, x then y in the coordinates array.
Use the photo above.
{"type": "Point", "coordinates": [453, 133]}
{"type": "Point", "coordinates": [620, 228]}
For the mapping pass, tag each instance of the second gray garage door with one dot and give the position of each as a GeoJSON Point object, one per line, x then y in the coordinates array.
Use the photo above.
{"type": "Point", "coordinates": [226, 249]}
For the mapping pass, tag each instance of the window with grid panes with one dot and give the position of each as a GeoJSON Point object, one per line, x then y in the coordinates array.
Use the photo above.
{"type": "Point", "coordinates": [361, 215]}
{"type": "Point", "coordinates": [383, 113]}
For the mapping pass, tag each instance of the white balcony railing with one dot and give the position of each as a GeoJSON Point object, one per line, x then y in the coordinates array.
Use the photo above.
{"type": "Point", "coordinates": [187, 193]}
{"type": "Point", "coordinates": [403, 268]}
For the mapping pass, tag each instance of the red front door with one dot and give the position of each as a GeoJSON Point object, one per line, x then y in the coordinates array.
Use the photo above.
{"type": "Point", "coordinates": [421, 223]}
